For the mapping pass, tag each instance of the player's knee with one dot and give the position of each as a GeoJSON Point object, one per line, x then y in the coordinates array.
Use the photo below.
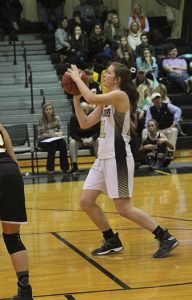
{"type": "Point", "coordinates": [13, 243]}
{"type": "Point", "coordinates": [85, 203]}
{"type": "Point", "coordinates": [122, 212]}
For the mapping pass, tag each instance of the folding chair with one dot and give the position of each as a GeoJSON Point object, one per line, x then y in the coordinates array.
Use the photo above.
{"type": "Point", "coordinates": [19, 136]}
{"type": "Point", "coordinates": [36, 148]}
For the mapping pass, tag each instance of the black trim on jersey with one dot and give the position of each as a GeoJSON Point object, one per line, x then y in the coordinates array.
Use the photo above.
{"type": "Point", "coordinates": [120, 149]}
{"type": "Point", "coordinates": [122, 177]}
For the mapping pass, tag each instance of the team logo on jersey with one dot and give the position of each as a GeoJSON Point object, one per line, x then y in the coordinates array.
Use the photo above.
{"type": "Point", "coordinates": [106, 112]}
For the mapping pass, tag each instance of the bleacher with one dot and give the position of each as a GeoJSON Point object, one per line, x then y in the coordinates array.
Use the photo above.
{"type": "Point", "coordinates": [16, 99]}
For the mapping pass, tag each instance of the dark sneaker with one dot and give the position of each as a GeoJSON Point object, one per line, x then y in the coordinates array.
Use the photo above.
{"type": "Point", "coordinates": [111, 245]}
{"type": "Point", "coordinates": [74, 168]}
{"type": "Point", "coordinates": [24, 293]}
{"type": "Point", "coordinates": [166, 245]}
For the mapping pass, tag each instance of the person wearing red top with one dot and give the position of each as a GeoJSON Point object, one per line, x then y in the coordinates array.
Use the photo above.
{"type": "Point", "coordinates": [138, 17]}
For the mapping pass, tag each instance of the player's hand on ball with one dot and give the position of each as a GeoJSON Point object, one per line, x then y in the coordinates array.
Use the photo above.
{"type": "Point", "coordinates": [74, 72]}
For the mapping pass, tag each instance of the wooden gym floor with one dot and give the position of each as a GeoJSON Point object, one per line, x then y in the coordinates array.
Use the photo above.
{"type": "Point", "coordinates": [59, 238]}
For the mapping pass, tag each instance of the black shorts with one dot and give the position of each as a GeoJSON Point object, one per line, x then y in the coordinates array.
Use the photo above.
{"type": "Point", "coordinates": [12, 197]}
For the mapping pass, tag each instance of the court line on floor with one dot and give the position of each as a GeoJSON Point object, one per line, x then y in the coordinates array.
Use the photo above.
{"type": "Point", "coordinates": [91, 261]}
{"type": "Point", "coordinates": [106, 212]}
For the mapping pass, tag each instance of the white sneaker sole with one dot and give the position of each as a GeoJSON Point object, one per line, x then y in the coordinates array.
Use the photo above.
{"type": "Point", "coordinates": [119, 249]}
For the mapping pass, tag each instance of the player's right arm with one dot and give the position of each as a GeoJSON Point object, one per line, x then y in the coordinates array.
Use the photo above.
{"type": "Point", "coordinates": [86, 121]}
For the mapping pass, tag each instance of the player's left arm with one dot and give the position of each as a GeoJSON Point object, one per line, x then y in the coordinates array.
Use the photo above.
{"type": "Point", "coordinates": [86, 121]}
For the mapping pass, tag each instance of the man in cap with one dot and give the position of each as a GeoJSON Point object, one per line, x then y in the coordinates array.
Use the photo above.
{"type": "Point", "coordinates": [167, 116]}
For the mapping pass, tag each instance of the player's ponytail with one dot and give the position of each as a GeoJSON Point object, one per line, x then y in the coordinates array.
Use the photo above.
{"type": "Point", "coordinates": [126, 84]}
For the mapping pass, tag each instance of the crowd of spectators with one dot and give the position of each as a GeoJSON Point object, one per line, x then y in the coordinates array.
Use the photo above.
{"type": "Point", "coordinates": [92, 41]}
{"type": "Point", "coordinates": [94, 37]}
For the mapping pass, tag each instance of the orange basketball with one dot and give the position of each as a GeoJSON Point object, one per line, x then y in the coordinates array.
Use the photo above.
{"type": "Point", "coordinates": [70, 86]}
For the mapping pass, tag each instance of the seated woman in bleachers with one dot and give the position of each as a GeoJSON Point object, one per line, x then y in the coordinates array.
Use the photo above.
{"type": "Point", "coordinates": [50, 127]}
{"type": "Point", "coordinates": [124, 53]}
{"type": "Point", "coordinates": [108, 20]}
{"type": "Point", "coordinates": [155, 147]}
{"type": "Point", "coordinates": [114, 32]}
{"type": "Point", "coordinates": [79, 47]}
{"type": "Point", "coordinates": [99, 49]}
{"type": "Point", "coordinates": [76, 20]}
{"type": "Point", "coordinates": [162, 90]}
{"type": "Point", "coordinates": [148, 62]}
{"type": "Point", "coordinates": [134, 34]}
{"type": "Point", "coordinates": [62, 44]}
{"type": "Point", "coordinates": [139, 18]}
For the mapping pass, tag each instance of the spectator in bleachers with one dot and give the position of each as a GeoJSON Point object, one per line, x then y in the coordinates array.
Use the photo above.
{"type": "Point", "coordinates": [162, 90]}
{"type": "Point", "coordinates": [176, 69]}
{"type": "Point", "coordinates": [167, 115]}
{"type": "Point", "coordinates": [108, 21]}
{"type": "Point", "coordinates": [10, 15]}
{"type": "Point", "coordinates": [134, 35]}
{"type": "Point", "coordinates": [50, 127]}
{"type": "Point", "coordinates": [138, 17]}
{"type": "Point", "coordinates": [76, 21]}
{"type": "Point", "coordinates": [141, 78]}
{"type": "Point", "coordinates": [79, 47]}
{"type": "Point", "coordinates": [148, 62]}
{"type": "Point", "coordinates": [51, 13]}
{"type": "Point", "coordinates": [62, 44]}
{"type": "Point", "coordinates": [172, 11]}
{"type": "Point", "coordinates": [114, 32]}
{"type": "Point", "coordinates": [99, 49]}
{"type": "Point", "coordinates": [143, 104]}
{"type": "Point", "coordinates": [124, 53]}
{"type": "Point", "coordinates": [82, 137]}
{"type": "Point", "coordinates": [144, 44]}
{"type": "Point", "coordinates": [99, 8]}
{"type": "Point", "coordinates": [87, 14]}
{"type": "Point", "coordinates": [93, 84]}
{"type": "Point", "coordinates": [155, 147]}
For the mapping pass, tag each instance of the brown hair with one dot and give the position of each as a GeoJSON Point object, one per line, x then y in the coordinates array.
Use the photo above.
{"type": "Point", "coordinates": [44, 117]}
{"type": "Point", "coordinates": [154, 121]}
{"type": "Point", "coordinates": [126, 83]}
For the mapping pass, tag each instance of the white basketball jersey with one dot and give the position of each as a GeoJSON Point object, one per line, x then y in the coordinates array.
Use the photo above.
{"type": "Point", "coordinates": [114, 134]}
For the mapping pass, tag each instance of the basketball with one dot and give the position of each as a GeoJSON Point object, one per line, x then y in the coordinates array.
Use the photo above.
{"type": "Point", "coordinates": [70, 86]}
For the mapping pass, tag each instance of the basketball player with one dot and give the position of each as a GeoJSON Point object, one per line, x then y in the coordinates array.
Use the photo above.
{"type": "Point", "coordinates": [13, 213]}
{"type": "Point", "coordinates": [113, 170]}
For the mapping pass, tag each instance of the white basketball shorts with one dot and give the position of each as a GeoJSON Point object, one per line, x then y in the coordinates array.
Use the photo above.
{"type": "Point", "coordinates": [113, 177]}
